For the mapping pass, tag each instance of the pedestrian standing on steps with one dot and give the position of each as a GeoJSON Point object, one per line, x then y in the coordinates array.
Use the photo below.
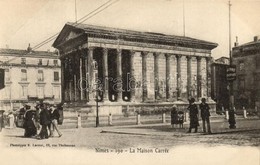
{"type": "Point", "coordinates": [205, 115]}
{"type": "Point", "coordinates": [194, 122]}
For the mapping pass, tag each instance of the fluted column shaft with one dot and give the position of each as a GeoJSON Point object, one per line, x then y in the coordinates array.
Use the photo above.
{"type": "Point", "coordinates": [105, 74]}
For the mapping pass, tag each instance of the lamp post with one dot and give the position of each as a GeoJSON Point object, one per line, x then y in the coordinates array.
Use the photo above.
{"type": "Point", "coordinates": [97, 90]}
{"type": "Point", "coordinates": [231, 75]}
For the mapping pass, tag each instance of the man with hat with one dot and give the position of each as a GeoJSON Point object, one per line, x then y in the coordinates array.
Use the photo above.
{"type": "Point", "coordinates": [205, 114]}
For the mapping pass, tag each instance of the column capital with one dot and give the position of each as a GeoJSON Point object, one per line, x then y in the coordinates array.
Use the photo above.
{"type": "Point", "coordinates": [144, 53]}
{"type": "Point", "coordinates": [91, 48]}
{"type": "Point", "coordinates": [198, 58]}
{"type": "Point", "coordinates": [167, 55]}
{"type": "Point", "coordinates": [105, 50]}
{"type": "Point", "coordinates": [156, 54]}
{"type": "Point", "coordinates": [189, 57]}
{"type": "Point", "coordinates": [132, 52]}
{"type": "Point", "coordinates": [118, 50]}
{"type": "Point", "coordinates": [178, 56]}
{"type": "Point", "coordinates": [208, 59]}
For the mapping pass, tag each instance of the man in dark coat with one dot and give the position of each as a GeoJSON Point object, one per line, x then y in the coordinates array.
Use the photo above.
{"type": "Point", "coordinates": [205, 114]}
{"type": "Point", "coordinates": [45, 120]}
{"type": "Point", "coordinates": [194, 122]}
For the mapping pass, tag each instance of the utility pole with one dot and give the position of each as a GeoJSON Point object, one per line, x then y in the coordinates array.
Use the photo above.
{"type": "Point", "coordinates": [183, 13]}
{"type": "Point", "coordinates": [232, 72]}
{"type": "Point", "coordinates": [76, 19]}
{"type": "Point", "coordinates": [230, 62]}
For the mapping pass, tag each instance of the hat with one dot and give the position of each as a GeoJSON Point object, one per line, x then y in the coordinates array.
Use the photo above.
{"type": "Point", "coordinates": [192, 100]}
{"type": "Point", "coordinates": [203, 99]}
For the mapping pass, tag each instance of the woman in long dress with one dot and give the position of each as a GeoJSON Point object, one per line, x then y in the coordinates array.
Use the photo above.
{"type": "Point", "coordinates": [29, 126]}
{"type": "Point", "coordinates": [194, 121]}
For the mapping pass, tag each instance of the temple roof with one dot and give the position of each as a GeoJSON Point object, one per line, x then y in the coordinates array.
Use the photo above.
{"type": "Point", "coordinates": [130, 35]}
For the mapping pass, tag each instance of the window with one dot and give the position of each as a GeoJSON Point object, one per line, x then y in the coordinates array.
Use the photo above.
{"type": "Point", "coordinates": [40, 75]}
{"type": "Point", "coordinates": [55, 62]}
{"type": "Point", "coordinates": [56, 76]}
{"type": "Point", "coordinates": [24, 91]}
{"type": "Point", "coordinates": [56, 92]}
{"type": "Point", "coordinates": [7, 75]}
{"type": "Point", "coordinates": [24, 75]}
{"type": "Point", "coordinates": [7, 92]}
{"type": "Point", "coordinates": [40, 62]}
{"type": "Point", "coordinates": [241, 66]}
{"type": "Point", "coordinates": [23, 61]}
{"type": "Point", "coordinates": [40, 92]}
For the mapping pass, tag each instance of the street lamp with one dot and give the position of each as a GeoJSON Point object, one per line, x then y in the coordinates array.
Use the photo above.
{"type": "Point", "coordinates": [97, 90]}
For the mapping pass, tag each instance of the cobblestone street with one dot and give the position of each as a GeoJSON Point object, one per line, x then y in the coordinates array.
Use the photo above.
{"type": "Point", "coordinates": [123, 143]}
{"type": "Point", "coordinates": [158, 135]}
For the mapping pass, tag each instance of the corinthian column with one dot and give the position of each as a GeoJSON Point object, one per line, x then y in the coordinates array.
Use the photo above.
{"type": "Point", "coordinates": [168, 76]}
{"type": "Point", "coordinates": [198, 77]}
{"type": "Point", "coordinates": [90, 73]}
{"type": "Point", "coordinates": [156, 75]}
{"type": "Point", "coordinates": [188, 76]}
{"type": "Point", "coordinates": [208, 71]}
{"type": "Point", "coordinates": [119, 74]}
{"type": "Point", "coordinates": [144, 74]}
{"type": "Point", "coordinates": [179, 85]}
{"type": "Point", "coordinates": [105, 74]}
{"type": "Point", "coordinates": [132, 77]}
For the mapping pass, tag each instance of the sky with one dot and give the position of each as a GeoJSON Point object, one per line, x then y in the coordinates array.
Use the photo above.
{"type": "Point", "coordinates": [33, 21]}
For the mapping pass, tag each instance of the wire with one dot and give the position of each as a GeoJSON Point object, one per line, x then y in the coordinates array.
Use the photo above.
{"type": "Point", "coordinates": [81, 20]}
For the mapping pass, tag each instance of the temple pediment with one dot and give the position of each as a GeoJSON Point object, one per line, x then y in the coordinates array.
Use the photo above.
{"type": "Point", "coordinates": [72, 30]}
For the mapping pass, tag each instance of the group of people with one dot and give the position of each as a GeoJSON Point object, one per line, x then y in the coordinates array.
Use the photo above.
{"type": "Point", "coordinates": [41, 122]}
{"type": "Point", "coordinates": [205, 115]}
{"type": "Point", "coordinates": [177, 118]}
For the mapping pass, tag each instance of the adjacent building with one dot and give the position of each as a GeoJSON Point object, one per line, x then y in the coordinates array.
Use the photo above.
{"type": "Point", "coordinates": [131, 68]}
{"type": "Point", "coordinates": [246, 57]}
{"type": "Point", "coordinates": [30, 76]}
{"type": "Point", "coordinates": [220, 92]}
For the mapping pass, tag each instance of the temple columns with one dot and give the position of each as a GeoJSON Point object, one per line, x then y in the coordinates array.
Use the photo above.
{"type": "Point", "coordinates": [81, 77]}
{"type": "Point", "coordinates": [156, 76]}
{"type": "Point", "coordinates": [168, 76]}
{"type": "Point", "coordinates": [144, 75]}
{"type": "Point", "coordinates": [132, 77]}
{"type": "Point", "coordinates": [189, 77]}
{"type": "Point", "coordinates": [208, 78]}
{"type": "Point", "coordinates": [119, 74]}
{"type": "Point", "coordinates": [179, 84]}
{"type": "Point", "coordinates": [90, 73]}
{"type": "Point", "coordinates": [105, 74]}
{"type": "Point", "coordinates": [199, 77]}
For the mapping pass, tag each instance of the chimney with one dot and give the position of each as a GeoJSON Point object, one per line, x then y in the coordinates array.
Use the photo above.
{"type": "Point", "coordinates": [236, 43]}
{"type": "Point", "coordinates": [29, 49]}
{"type": "Point", "coordinates": [256, 38]}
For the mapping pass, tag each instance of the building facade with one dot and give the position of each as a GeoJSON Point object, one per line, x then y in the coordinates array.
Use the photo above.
{"type": "Point", "coordinates": [219, 88]}
{"type": "Point", "coordinates": [30, 76]}
{"type": "Point", "coordinates": [246, 57]}
{"type": "Point", "coordinates": [131, 67]}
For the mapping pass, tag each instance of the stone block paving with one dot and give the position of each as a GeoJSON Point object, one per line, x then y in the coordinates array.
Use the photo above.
{"type": "Point", "coordinates": [152, 135]}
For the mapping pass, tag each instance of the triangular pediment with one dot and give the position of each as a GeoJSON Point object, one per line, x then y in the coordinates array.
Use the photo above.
{"type": "Point", "coordinates": [71, 35]}
{"type": "Point", "coordinates": [67, 33]}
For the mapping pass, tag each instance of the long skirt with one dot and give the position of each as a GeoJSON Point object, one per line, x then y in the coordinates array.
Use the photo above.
{"type": "Point", "coordinates": [194, 122]}
{"type": "Point", "coordinates": [29, 129]}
